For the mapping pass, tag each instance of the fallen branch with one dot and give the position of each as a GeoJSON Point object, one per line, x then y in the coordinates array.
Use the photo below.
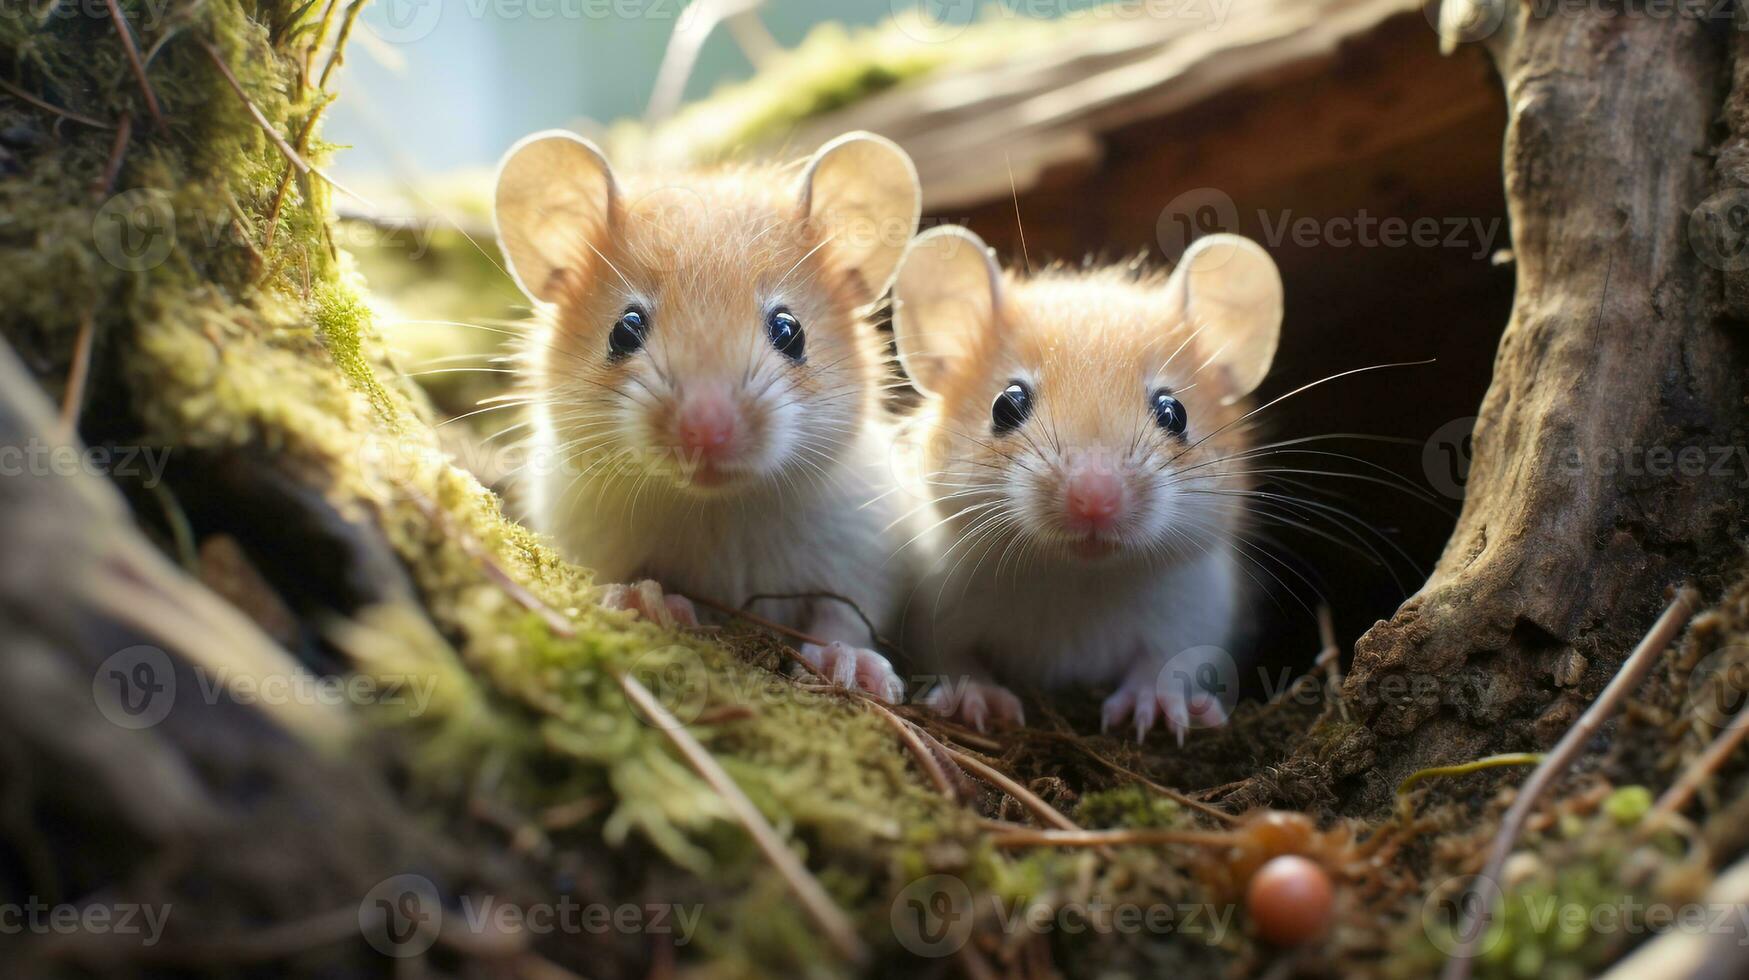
{"type": "Point", "coordinates": [1681, 791]}
{"type": "Point", "coordinates": [1633, 669]}
{"type": "Point", "coordinates": [134, 62]}
{"type": "Point", "coordinates": [802, 884]}
{"type": "Point", "coordinates": [1044, 811]}
{"type": "Point", "coordinates": [69, 114]}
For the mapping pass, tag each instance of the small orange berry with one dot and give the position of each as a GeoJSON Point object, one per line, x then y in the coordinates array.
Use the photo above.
{"type": "Point", "coordinates": [1291, 900]}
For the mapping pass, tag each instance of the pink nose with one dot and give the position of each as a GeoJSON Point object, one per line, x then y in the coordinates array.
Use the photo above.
{"type": "Point", "coordinates": [707, 423]}
{"type": "Point", "coordinates": [1094, 498]}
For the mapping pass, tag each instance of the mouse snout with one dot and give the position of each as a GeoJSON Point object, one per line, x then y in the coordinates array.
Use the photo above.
{"type": "Point", "coordinates": [1093, 497]}
{"type": "Point", "coordinates": [707, 421]}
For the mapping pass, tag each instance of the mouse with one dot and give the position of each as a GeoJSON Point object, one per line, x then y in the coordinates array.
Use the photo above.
{"type": "Point", "coordinates": [1081, 443]}
{"type": "Point", "coordinates": [705, 384]}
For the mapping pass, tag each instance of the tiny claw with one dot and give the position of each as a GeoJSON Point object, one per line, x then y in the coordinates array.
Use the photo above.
{"type": "Point", "coordinates": [682, 609]}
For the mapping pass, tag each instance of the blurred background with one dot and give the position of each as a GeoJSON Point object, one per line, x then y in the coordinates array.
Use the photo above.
{"type": "Point", "coordinates": [441, 85]}
{"type": "Point", "coordinates": [1334, 132]}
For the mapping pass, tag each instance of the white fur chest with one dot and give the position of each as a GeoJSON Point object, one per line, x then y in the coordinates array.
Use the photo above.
{"type": "Point", "coordinates": [1067, 624]}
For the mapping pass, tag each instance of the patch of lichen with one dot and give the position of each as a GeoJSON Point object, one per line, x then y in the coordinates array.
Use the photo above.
{"type": "Point", "coordinates": [232, 341]}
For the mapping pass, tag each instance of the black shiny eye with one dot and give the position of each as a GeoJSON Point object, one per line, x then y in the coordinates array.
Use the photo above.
{"type": "Point", "coordinates": [627, 336]}
{"type": "Point", "coordinates": [1012, 407]}
{"type": "Point", "coordinates": [1168, 412]}
{"type": "Point", "coordinates": [786, 334]}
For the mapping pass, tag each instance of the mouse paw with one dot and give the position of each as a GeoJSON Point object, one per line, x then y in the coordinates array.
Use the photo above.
{"type": "Point", "coordinates": [647, 599]}
{"type": "Point", "coordinates": [857, 668]}
{"type": "Point", "coordinates": [1141, 700]}
{"type": "Point", "coordinates": [976, 703]}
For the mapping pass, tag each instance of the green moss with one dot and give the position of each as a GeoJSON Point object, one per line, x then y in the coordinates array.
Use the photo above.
{"type": "Point", "coordinates": [252, 334]}
{"type": "Point", "coordinates": [1628, 804]}
{"type": "Point", "coordinates": [1128, 806]}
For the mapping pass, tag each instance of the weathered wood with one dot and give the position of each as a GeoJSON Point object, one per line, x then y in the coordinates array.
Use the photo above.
{"type": "Point", "coordinates": [1614, 368]}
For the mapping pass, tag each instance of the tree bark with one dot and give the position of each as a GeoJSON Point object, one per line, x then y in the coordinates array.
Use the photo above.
{"type": "Point", "coordinates": [1616, 373]}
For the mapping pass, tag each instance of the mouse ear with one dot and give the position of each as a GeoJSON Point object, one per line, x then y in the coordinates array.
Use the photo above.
{"type": "Point", "coordinates": [862, 192]}
{"type": "Point", "coordinates": [946, 297]}
{"type": "Point", "coordinates": [1228, 287]}
{"type": "Point", "coordinates": [555, 193]}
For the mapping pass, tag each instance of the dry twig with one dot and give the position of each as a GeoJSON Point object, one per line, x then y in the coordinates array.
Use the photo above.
{"type": "Point", "coordinates": [1633, 668]}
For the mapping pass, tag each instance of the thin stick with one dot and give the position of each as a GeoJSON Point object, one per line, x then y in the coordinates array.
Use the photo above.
{"type": "Point", "coordinates": [806, 888]}
{"type": "Point", "coordinates": [925, 758]}
{"type": "Point", "coordinates": [19, 93]}
{"type": "Point", "coordinates": [910, 734]}
{"type": "Point", "coordinates": [1633, 669]}
{"type": "Point", "coordinates": [1681, 791]}
{"type": "Point", "coordinates": [1123, 837]}
{"type": "Point", "coordinates": [775, 627]}
{"type": "Point", "coordinates": [1183, 799]}
{"type": "Point", "coordinates": [74, 397]}
{"type": "Point", "coordinates": [1044, 811]}
{"type": "Point", "coordinates": [134, 62]}
{"type": "Point", "coordinates": [302, 165]}
{"type": "Point", "coordinates": [124, 132]}
{"type": "Point", "coordinates": [516, 590]}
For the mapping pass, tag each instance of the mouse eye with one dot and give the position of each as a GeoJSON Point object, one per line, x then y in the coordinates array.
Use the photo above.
{"type": "Point", "coordinates": [1011, 408]}
{"type": "Point", "coordinates": [1168, 412]}
{"type": "Point", "coordinates": [786, 334]}
{"type": "Point", "coordinates": [627, 336]}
